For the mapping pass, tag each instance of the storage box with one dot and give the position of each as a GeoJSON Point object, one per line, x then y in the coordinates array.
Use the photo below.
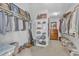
{"type": "Point", "coordinates": [5, 6]}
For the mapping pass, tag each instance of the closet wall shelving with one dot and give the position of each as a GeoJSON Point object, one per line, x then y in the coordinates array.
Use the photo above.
{"type": "Point", "coordinates": [41, 29]}
{"type": "Point", "coordinates": [23, 15]}
{"type": "Point", "coordinates": [69, 38]}
{"type": "Point", "coordinates": [5, 8]}
{"type": "Point", "coordinates": [20, 13]}
{"type": "Point", "coordinates": [14, 11]}
{"type": "Point", "coordinates": [5, 23]}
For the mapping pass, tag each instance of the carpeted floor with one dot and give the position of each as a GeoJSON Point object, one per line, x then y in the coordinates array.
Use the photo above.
{"type": "Point", "coordinates": [53, 49]}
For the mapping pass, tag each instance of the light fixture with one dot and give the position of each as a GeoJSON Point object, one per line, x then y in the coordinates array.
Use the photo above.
{"type": "Point", "coordinates": [55, 13]}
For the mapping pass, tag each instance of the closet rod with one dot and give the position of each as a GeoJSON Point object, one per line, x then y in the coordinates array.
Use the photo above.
{"type": "Point", "coordinates": [9, 12]}
{"type": "Point", "coordinates": [72, 9]}
{"type": "Point", "coordinates": [20, 17]}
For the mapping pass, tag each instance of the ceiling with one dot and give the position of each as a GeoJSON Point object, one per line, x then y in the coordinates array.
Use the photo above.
{"type": "Point", "coordinates": [35, 8]}
{"type": "Point", "coordinates": [51, 7]}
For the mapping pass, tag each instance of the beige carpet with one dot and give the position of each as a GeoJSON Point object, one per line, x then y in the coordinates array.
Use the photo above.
{"type": "Point", "coordinates": [53, 49]}
{"type": "Point", "coordinates": [25, 52]}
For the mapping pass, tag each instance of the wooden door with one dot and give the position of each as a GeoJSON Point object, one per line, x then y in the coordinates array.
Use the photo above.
{"type": "Point", "coordinates": [54, 31]}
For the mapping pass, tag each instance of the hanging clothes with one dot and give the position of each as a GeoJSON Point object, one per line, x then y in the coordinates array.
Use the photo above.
{"type": "Point", "coordinates": [67, 23]}
{"type": "Point", "coordinates": [69, 18]}
{"type": "Point", "coordinates": [63, 26]}
{"type": "Point", "coordinates": [16, 24]}
{"type": "Point", "coordinates": [3, 22]}
{"type": "Point", "coordinates": [77, 23]}
{"type": "Point", "coordinates": [9, 23]}
{"type": "Point", "coordinates": [13, 23]}
{"type": "Point", "coordinates": [72, 24]}
{"type": "Point", "coordinates": [24, 25]}
{"type": "Point", "coordinates": [14, 8]}
{"type": "Point", "coordinates": [20, 24]}
{"type": "Point", "coordinates": [60, 25]}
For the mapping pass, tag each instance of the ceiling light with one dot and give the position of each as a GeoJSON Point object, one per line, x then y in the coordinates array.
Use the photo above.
{"type": "Point", "coordinates": [55, 14]}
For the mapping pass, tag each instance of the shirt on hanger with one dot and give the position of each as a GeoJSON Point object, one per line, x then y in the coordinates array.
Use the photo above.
{"type": "Point", "coordinates": [13, 23]}
{"type": "Point", "coordinates": [63, 26]}
{"type": "Point", "coordinates": [9, 23]}
{"type": "Point", "coordinates": [68, 23]}
{"type": "Point", "coordinates": [24, 25]}
{"type": "Point", "coordinates": [16, 24]}
{"type": "Point", "coordinates": [3, 22]}
{"type": "Point", "coordinates": [20, 24]}
{"type": "Point", "coordinates": [72, 24]}
{"type": "Point", "coordinates": [77, 22]}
